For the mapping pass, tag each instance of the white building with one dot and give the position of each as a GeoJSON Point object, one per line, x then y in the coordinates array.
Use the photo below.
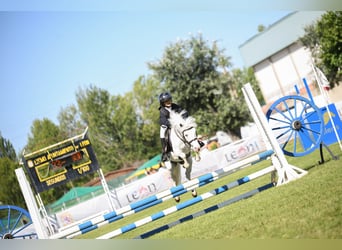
{"type": "Point", "coordinates": [278, 58]}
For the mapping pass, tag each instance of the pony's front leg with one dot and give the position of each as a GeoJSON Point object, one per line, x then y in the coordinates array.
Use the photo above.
{"type": "Point", "coordinates": [176, 177]}
{"type": "Point", "coordinates": [188, 175]}
{"type": "Point", "coordinates": [176, 174]}
{"type": "Point", "coordinates": [186, 164]}
{"type": "Point", "coordinates": [184, 160]}
{"type": "Point", "coordinates": [189, 168]}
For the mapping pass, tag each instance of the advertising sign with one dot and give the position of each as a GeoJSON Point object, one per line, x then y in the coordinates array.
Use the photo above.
{"type": "Point", "coordinates": [329, 136]}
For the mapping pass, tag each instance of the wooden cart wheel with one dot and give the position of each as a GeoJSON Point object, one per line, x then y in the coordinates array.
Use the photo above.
{"type": "Point", "coordinates": [15, 223]}
{"type": "Point", "coordinates": [297, 124]}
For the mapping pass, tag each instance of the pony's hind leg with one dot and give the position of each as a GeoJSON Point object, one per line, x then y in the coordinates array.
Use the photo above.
{"type": "Point", "coordinates": [189, 168]}
{"type": "Point", "coordinates": [188, 176]}
{"type": "Point", "coordinates": [176, 177]}
{"type": "Point", "coordinates": [188, 173]}
{"type": "Point", "coordinates": [176, 174]}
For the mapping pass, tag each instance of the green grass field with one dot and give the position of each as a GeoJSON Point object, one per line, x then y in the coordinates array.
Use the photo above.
{"type": "Point", "coordinates": [307, 208]}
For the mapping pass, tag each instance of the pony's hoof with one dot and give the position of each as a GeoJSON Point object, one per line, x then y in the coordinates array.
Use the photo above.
{"type": "Point", "coordinates": [194, 193]}
{"type": "Point", "coordinates": [177, 198]}
{"type": "Point", "coordinates": [167, 164]}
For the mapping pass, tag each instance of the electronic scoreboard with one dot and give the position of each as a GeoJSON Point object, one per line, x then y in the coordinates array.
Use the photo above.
{"type": "Point", "coordinates": [59, 163]}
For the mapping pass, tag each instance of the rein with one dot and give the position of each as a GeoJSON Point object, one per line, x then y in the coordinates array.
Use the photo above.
{"type": "Point", "coordinates": [181, 136]}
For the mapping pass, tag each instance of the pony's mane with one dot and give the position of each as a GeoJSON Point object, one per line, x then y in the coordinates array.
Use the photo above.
{"type": "Point", "coordinates": [177, 118]}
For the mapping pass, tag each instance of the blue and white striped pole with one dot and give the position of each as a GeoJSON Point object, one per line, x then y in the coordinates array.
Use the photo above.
{"type": "Point", "coordinates": [160, 197]}
{"type": "Point", "coordinates": [205, 211]}
{"type": "Point", "coordinates": [187, 203]}
{"type": "Point", "coordinates": [198, 182]}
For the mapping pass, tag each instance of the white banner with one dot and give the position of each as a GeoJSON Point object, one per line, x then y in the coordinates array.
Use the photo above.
{"type": "Point", "coordinates": [83, 211]}
{"type": "Point", "coordinates": [226, 155]}
{"type": "Point", "coordinates": [144, 187]}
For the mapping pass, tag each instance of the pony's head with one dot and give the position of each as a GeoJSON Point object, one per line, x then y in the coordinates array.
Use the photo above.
{"type": "Point", "coordinates": [185, 128]}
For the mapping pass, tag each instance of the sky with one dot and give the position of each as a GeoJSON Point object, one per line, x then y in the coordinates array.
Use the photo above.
{"type": "Point", "coordinates": [46, 55]}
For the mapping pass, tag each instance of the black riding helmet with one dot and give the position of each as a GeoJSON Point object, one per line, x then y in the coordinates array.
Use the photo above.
{"type": "Point", "coordinates": [164, 97]}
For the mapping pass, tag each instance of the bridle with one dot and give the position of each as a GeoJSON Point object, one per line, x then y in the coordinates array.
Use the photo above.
{"type": "Point", "coordinates": [181, 136]}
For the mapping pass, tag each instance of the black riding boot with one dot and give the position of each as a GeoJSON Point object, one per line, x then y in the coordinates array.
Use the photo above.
{"type": "Point", "coordinates": [164, 156]}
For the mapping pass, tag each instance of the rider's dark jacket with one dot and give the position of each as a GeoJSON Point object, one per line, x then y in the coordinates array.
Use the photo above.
{"type": "Point", "coordinates": [165, 114]}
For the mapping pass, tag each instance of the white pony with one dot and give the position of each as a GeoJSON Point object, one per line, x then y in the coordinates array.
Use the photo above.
{"type": "Point", "coordinates": [183, 140]}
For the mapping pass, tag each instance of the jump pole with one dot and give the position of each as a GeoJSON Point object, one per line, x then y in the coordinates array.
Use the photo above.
{"type": "Point", "coordinates": [159, 198]}
{"type": "Point", "coordinates": [286, 172]}
{"type": "Point", "coordinates": [205, 211]}
{"type": "Point", "coordinates": [187, 203]}
{"type": "Point", "coordinates": [31, 204]}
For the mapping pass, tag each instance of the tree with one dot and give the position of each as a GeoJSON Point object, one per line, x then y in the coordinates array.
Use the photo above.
{"type": "Point", "coordinates": [311, 40]}
{"type": "Point", "coordinates": [93, 104]}
{"type": "Point", "coordinates": [196, 73]}
{"type": "Point", "coordinates": [6, 149]}
{"type": "Point", "coordinates": [70, 122]}
{"type": "Point", "coordinates": [145, 98]}
{"type": "Point", "coordinates": [43, 133]}
{"type": "Point", "coordinates": [124, 119]}
{"type": "Point", "coordinates": [113, 126]}
{"type": "Point", "coordinates": [10, 192]}
{"type": "Point", "coordinates": [324, 39]}
{"type": "Point", "coordinates": [189, 70]}
{"type": "Point", "coordinates": [243, 76]}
